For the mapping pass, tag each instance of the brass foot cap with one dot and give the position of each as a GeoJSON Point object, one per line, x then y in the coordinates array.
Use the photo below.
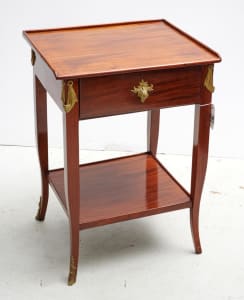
{"type": "Point", "coordinates": [71, 280]}
{"type": "Point", "coordinates": [39, 217]}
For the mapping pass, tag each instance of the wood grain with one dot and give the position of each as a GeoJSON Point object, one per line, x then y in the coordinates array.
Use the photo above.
{"type": "Point", "coordinates": [153, 120]}
{"type": "Point", "coordinates": [40, 106]}
{"type": "Point", "coordinates": [71, 182]}
{"type": "Point", "coordinates": [199, 161]}
{"type": "Point", "coordinates": [118, 48]}
{"type": "Point", "coordinates": [109, 95]}
{"type": "Point", "coordinates": [105, 62]}
{"type": "Point", "coordinates": [123, 189]}
{"type": "Point", "coordinates": [48, 80]}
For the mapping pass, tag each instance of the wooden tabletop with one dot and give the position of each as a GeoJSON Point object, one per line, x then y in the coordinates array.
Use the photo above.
{"type": "Point", "coordinates": [117, 48]}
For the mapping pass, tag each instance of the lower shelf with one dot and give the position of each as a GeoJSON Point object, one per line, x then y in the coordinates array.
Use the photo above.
{"type": "Point", "coordinates": [122, 189]}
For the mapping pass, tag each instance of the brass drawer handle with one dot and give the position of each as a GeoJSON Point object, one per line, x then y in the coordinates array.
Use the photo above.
{"type": "Point", "coordinates": [142, 90]}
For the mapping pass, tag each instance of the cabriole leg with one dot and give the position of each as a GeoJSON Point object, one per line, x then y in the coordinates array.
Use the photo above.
{"type": "Point", "coordinates": [40, 104]}
{"type": "Point", "coordinates": [72, 184]}
{"type": "Point", "coordinates": [199, 166]}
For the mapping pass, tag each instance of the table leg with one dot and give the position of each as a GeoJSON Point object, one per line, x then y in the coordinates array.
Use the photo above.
{"type": "Point", "coordinates": [40, 104]}
{"type": "Point", "coordinates": [72, 184]}
{"type": "Point", "coordinates": [153, 119]}
{"type": "Point", "coordinates": [199, 166]}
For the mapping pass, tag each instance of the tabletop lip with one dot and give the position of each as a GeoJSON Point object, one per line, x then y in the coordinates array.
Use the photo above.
{"type": "Point", "coordinates": [123, 71]}
{"type": "Point", "coordinates": [91, 26]}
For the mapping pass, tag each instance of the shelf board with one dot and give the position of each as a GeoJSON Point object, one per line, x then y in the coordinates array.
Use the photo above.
{"type": "Point", "coordinates": [122, 189]}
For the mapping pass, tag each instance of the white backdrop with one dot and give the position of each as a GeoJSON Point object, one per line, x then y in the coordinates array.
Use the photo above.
{"type": "Point", "coordinates": [219, 24]}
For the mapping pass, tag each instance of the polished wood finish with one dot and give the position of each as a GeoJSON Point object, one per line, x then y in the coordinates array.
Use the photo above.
{"type": "Point", "coordinates": [40, 106]}
{"type": "Point", "coordinates": [123, 189]}
{"type": "Point", "coordinates": [153, 119]}
{"type": "Point", "coordinates": [118, 48]}
{"type": "Point", "coordinates": [71, 182]}
{"type": "Point", "coordinates": [47, 79]}
{"type": "Point", "coordinates": [109, 95]}
{"type": "Point", "coordinates": [199, 161]}
{"type": "Point", "coordinates": [104, 63]}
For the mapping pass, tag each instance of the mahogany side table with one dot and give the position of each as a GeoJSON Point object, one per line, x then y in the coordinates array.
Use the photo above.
{"type": "Point", "coordinates": [104, 70]}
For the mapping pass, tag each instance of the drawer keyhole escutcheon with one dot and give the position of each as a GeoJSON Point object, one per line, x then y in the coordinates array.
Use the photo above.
{"type": "Point", "coordinates": [142, 90]}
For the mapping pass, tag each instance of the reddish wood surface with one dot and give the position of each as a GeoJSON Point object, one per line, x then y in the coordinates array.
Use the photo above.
{"type": "Point", "coordinates": [109, 95]}
{"type": "Point", "coordinates": [71, 182]}
{"type": "Point", "coordinates": [132, 187]}
{"type": "Point", "coordinates": [153, 119]}
{"type": "Point", "coordinates": [123, 189]}
{"type": "Point", "coordinates": [40, 105]}
{"type": "Point", "coordinates": [199, 161]}
{"type": "Point", "coordinates": [48, 80]}
{"type": "Point", "coordinates": [98, 50]}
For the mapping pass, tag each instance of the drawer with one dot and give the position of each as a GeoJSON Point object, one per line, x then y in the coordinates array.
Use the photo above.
{"type": "Point", "coordinates": [109, 95]}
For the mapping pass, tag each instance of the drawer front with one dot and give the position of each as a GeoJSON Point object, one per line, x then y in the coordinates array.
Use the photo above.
{"type": "Point", "coordinates": [110, 95]}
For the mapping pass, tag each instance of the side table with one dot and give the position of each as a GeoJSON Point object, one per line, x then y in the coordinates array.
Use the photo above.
{"type": "Point", "coordinates": [105, 70]}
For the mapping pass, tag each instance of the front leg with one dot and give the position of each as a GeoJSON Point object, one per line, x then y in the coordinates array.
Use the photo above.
{"type": "Point", "coordinates": [72, 183]}
{"type": "Point", "coordinates": [40, 104]}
